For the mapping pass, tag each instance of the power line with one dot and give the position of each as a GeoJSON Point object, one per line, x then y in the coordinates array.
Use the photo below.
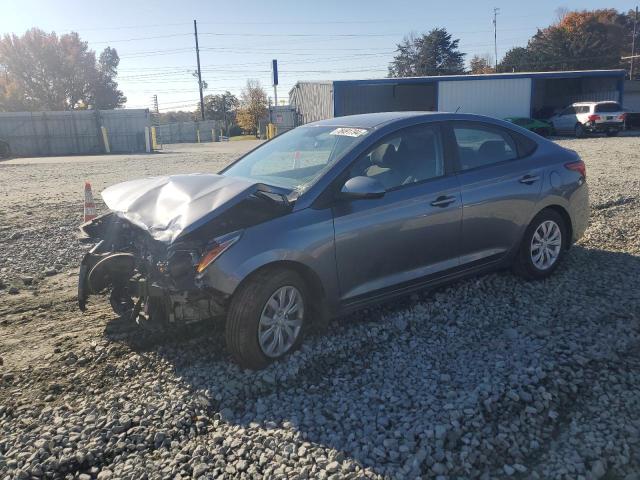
{"type": "Point", "coordinates": [136, 39]}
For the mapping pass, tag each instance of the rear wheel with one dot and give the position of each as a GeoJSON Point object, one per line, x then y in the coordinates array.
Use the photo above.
{"type": "Point", "coordinates": [612, 133]}
{"type": "Point", "coordinates": [579, 130]}
{"type": "Point", "coordinates": [543, 246]}
{"type": "Point", "coordinates": [267, 318]}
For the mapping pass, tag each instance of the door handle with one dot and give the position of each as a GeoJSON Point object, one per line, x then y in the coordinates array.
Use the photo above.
{"type": "Point", "coordinates": [529, 179]}
{"type": "Point", "coordinates": [443, 201]}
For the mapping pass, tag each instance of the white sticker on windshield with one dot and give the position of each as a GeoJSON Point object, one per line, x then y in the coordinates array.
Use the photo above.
{"type": "Point", "coordinates": [348, 132]}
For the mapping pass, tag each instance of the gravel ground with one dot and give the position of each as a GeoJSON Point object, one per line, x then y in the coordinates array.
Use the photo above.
{"type": "Point", "coordinates": [492, 377]}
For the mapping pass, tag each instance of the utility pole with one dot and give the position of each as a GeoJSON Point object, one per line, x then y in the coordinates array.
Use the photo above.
{"type": "Point", "coordinates": [496, 10]}
{"type": "Point", "coordinates": [633, 44]}
{"type": "Point", "coordinates": [195, 32]}
{"type": "Point", "coordinates": [156, 109]}
{"type": "Point", "coordinates": [224, 113]}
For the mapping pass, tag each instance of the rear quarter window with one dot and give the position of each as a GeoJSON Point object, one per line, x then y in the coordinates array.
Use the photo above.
{"type": "Point", "coordinates": [524, 145]}
{"type": "Point", "coordinates": [608, 107]}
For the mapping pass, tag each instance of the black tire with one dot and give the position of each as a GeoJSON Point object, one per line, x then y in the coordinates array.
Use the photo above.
{"type": "Point", "coordinates": [244, 313]}
{"type": "Point", "coordinates": [523, 264]}
{"type": "Point", "coordinates": [613, 133]}
{"type": "Point", "coordinates": [579, 130]}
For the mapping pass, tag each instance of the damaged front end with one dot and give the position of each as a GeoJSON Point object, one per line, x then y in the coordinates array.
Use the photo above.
{"type": "Point", "coordinates": [155, 246]}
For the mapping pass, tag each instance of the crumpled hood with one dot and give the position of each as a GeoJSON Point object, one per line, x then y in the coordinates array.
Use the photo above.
{"type": "Point", "coordinates": [172, 205]}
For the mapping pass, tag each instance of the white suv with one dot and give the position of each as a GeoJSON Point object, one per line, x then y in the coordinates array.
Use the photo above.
{"type": "Point", "coordinates": [590, 117]}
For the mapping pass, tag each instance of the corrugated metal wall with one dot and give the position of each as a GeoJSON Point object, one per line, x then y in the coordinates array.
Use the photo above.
{"type": "Point", "coordinates": [363, 98]}
{"type": "Point", "coordinates": [312, 100]}
{"type": "Point", "coordinates": [284, 117]}
{"type": "Point", "coordinates": [186, 132]}
{"type": "Point", "coordinates": [126, 129]}
{"type": "Point", "coordinates": [632, 95]}
{"type": "Point", "coordinates": [499, 98]}
{"type": "Point", "coordinates": [73, 132]}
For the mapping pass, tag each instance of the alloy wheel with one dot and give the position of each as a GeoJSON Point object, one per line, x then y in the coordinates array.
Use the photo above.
{"type": "Point", "coordinates": [281, 321]}
{"type": "Point", "coordinates": [546, 244]}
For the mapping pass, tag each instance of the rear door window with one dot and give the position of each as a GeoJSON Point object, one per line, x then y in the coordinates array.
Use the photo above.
{"type": "Point", "coordinates": [608, 107]}
{"type": "Point", "coordinates": [479, 146]}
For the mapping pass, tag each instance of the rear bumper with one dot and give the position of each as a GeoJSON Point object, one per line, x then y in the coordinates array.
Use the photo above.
{"type": "Point", "coordinates": [579, 211]}
{"type": "Point", "coordinates": [605, 127]}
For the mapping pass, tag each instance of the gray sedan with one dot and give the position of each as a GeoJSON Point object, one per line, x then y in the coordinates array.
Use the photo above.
{"type": "Point", "coordinates": [331, 217]}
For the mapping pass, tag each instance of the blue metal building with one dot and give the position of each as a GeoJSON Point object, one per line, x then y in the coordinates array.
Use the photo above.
{"type": "Point", "coordinates": [536, 94]}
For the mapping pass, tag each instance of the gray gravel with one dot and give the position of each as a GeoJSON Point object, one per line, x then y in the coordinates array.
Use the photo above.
{"type": "Point", "coordinates": [492, 377]}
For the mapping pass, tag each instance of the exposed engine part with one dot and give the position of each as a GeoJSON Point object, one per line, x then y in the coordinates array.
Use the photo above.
{"type": "Point", "coordinates": [151, 313]}
{"type": "Point", "coordinates": [112, 270]}
{"type": "Point", "coordinates": [155, 282]}
{"type": "Point", "coordinates": [185, 311]}
{"type": "Point", "coordinates": [121, 302]}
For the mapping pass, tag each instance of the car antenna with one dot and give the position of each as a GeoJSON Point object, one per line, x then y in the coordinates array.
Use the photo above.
{"type": "Point", "coordinates": [457, 109]}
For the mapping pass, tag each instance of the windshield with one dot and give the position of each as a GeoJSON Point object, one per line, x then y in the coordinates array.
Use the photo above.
{"type": "Point", "coordinates": [295, 159]}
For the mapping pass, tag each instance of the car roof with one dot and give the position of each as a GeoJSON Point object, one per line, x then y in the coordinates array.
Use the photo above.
{"type": "Point", "coordinates": [374, 120]}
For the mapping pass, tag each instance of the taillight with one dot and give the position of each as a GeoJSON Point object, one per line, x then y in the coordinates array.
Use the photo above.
{"type": "Point", "coordinates": [593, 118]}
{"type": "Point", "coordinates": [578, 166]}
{"type": "Point", "coordinates": [622, 117]}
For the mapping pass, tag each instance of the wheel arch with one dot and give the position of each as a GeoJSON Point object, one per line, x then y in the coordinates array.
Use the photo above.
{"type": "Point", "coordinates": [320, 317]}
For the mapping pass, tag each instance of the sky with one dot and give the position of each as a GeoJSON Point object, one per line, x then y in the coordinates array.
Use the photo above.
{"type": "Point", "coordinates": [312, 40]}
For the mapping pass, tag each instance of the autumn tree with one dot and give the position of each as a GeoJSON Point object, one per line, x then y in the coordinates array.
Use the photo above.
{"type": "Point", "coordinates": [579, 40]}
{"type": "Point", "coordinates": [42, 71]}
{"type": "Point", "coordinates": [253, 106]}
{"type": "Point", "coordinates": [434, 53]}
{"type": "Point", "coordinates": [481, 64]}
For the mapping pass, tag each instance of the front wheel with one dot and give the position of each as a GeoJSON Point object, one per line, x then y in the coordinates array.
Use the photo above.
{"type": "Point", "coordinates": [543, 246]}
{"type": "Point", "coordinates": [267, 318]}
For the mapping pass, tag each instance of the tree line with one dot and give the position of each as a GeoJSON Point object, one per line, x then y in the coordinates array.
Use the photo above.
{"type": "Point", "coordinates": [233, 115]}
{"type": "Point", "coordinates": [44, 71]}
{"type": "Point", "coordinates": [578, 40]}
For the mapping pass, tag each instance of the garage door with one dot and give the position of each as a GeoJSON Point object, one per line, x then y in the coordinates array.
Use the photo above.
{"type": "Point", "coordinates": [497, 98]}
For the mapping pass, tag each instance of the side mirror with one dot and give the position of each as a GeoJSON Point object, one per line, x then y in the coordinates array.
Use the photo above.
{"type": "Point", "coordinates": [362, 187]}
